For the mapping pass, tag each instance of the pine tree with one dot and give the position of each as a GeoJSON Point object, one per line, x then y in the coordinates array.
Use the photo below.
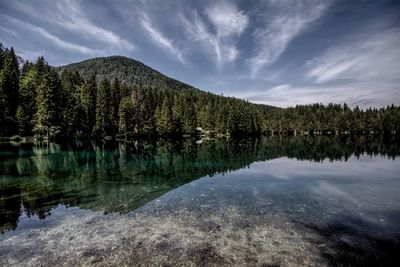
{"type": "Point", "coordinates": [115, 98]}
{"type": "Point", "coordinates": [138, 109]}
{"type": "Point", "coordinates": [10, 81]}
{"type": "Point", "coordinates": [9, 84]}
{"type": "Point", "coordinates": [24, 122]}
{"type": "Point", "coordinates": [2, 55]}
{"type": "Point", "coordinates": [126, 122]}
{"type": "Point", "coordinates": [189, 121]}
{"type": "Point", "coordinates": [2, 109]}
{"type": "Point", "coordinates": [73, 112]}
{"type": "Point", "coordinates": [164, 118]}
{"type": "Point", "coordinates": [48, 117]}
{"type": "Point", "coordinates": [221, 123]}
{"type": "Point", "coordinates": [88, 100]}
{"type": "Point", "coordinates": [27, 91]}
{"type": "Point", "coordinates": [177, 115]}
{"type": "Point", "coordinates": [2, 94]}
{"type": "Point", "coordinates": [104, 110]}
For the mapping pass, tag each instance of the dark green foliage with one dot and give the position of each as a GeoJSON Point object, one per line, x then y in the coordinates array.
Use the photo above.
{"type": "Point", "coordinates": [23, 121]}
{"type": "Point", "coordinates": [48, 118]}
{"type": "Point", "coordinates": [332, 119]}
{"type": "Point", "coordinates": [142, 102]}
{"type": "Point", "coordinates": [2, 55]}
{"type": "Point", "coordinates": [126, 122]}
{"type": "Point", "coordinates": [138, 108]}
{"type": "Point", "coordinates": [9, 81]}
{"type": "Point", "coordinates": [88, 102]}
{"type": "Point", "coordinates": [3, 102]}
{"type": "Point", "coordinates": [27, 100]}
{"type": "Point", "coordinates": [164, 119]}
{"type": "Point", "coordinates": [9, 86]}
{"type": "Point", "coordinates": [127, 71]}
{"type": "Point", "coordinates": [116, 99]}
{"type": "Point", "coordinates": [104, 116]}
{"type": "Point", "coordinates": [73, 113]}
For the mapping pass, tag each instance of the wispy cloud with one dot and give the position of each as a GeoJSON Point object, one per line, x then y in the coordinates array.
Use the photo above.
{"type": "Point", "coordinates": [363, 94]}
{"type": "Point", "coordinates": [73, 18]}
{"type": "Point", "coordinates": [286, 21]}
{"type": "Point", "coordinates": [259, 48]}
{"type": "Point", "coordinates": [369, 59]}
{"type": "Point", "coordinates": [227, 19]}
{"type": "Point", "coordinates": [228, 23]}
{"type": "Point", "coordinates": [69, 15]}
{"type": "Point", "coordinates": [159, 38]}
{"type": "Point", "coordinates": [362, 71]}
{"type": "Point", "coordinates": [55, 40]}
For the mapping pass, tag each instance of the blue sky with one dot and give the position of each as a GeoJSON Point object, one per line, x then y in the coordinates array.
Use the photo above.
{"type": "Point", "coordinates": [277, 52]}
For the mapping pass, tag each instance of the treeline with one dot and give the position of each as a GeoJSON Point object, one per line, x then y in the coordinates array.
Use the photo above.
{"type": "Point", "coordinates": [332, 119]}
{"type": "Point", "coordinates": [39, 101]}
{"type": "Point", "coordinates": [48, 103]}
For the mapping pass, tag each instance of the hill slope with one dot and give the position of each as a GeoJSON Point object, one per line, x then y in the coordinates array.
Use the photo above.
{"type": "Point", "coordinates": [127, 70]}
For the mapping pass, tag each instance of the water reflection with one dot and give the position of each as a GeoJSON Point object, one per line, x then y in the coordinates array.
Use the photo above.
{"type": "Point", "coordinates": [36, 178]}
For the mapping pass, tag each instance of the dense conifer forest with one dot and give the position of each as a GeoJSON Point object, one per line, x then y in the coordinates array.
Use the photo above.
{"type": "Point", "coordinates": [123, 98]}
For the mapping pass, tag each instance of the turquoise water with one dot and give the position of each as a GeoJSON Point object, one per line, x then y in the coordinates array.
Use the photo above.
{"type": "Point", "coordinates": [282, 201]}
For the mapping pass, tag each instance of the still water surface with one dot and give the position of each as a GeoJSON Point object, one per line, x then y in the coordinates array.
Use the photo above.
{"type": "Point", "coordinates": [273, 201]}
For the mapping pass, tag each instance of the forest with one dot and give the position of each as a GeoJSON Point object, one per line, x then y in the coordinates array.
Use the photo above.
{"type": "Point", "coordinates": [137, 101]}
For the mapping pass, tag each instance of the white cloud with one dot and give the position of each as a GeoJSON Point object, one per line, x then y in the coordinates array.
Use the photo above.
{"type": "Point", "coordinates": [363, 94]}
{"type": "Point", "coordinates": [70, 16]}
{"type": "Point", "coordinates": [159, 38]}
{"type": "Point", "coordinates": [55, 40]}
{"type": "Point", "coordinates": [228, 25]}
{"type": "Point", "coordinates": [283, 23]}
{"type": "Point", "coordinates": [227, 19]}
{"type": "Point", "coordinates": [375, 58]}
{"type": "Point", "coordinates": [74, 19]}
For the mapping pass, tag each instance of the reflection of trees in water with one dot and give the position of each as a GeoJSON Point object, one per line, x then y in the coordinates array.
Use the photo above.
{"type": "Point", "coordinates": [122, 178]}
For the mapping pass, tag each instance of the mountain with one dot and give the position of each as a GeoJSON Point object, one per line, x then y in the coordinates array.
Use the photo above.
{"type": "Point", "coordinates": [126, 70]}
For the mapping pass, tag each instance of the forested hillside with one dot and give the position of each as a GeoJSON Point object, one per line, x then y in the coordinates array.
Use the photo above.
{"type": "Point", "coordinates": [100, 100]}
{"type": "Point", "coordinates": [126, 70]}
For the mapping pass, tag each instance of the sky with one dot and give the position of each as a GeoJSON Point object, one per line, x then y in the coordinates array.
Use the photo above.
{"type": "Point", "coordinates": [276, 52]}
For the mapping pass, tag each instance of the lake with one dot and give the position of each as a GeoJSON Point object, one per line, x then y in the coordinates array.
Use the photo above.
{"type": "Point", "coordinates": [274, 201]}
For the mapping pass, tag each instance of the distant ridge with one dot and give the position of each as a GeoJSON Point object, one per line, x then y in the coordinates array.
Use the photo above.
{"type": "Point", "coordinates": [126, 70]}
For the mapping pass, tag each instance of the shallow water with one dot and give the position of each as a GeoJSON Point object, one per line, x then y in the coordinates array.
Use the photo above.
{"type": "Point", "coordinates": [273, 201]}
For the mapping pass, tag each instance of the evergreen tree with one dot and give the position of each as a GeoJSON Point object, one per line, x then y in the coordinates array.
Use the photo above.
{"type": "Point", "coordinates": [3, 107]}
{"type": "Point", "coordinates": [10, 81]}
{"type": "Point", "coordinates": [116, 99]}
{"type": "Point", "coordinates": [104, 125]}
{"type": "Point", "coordinates": [138, 109]}
{"type": "Point", "coordinates": [73, 112]}
{"type": "Point", "coordinates": [177, 115]}
{"type": "Point", "coordinates": [126, 122]}
{"type": "Point", "coordinates": [2, 56]}
{"type": "Point", "coordinates": [164, 118]}
{"type": "Point", "coordinates": [27, 108]}
{"type": "Point", "coordinates": [48, 117]}
{"type": "Point", "coordinates": [24, 122]}
{"type": "Point", "coordinates": [88, 100]}
{"type": "Point", "coordinates": [9, 86]}
{"type": "Point", "coordinates": [189, 121]}
{"type": "Point", "coordinates": [52, 104]}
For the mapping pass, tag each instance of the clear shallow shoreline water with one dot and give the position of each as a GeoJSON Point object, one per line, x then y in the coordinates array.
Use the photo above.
{"type": "Point", "coordinates": [217, 203]}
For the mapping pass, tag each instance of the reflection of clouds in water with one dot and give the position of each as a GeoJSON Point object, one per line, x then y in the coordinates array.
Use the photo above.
{"type": "Point", "coordinates": [259, 213]}
{"type": "Point", "coordinates": [365, 187]}
{"type": "Point", "coordinates": [365, 167]}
